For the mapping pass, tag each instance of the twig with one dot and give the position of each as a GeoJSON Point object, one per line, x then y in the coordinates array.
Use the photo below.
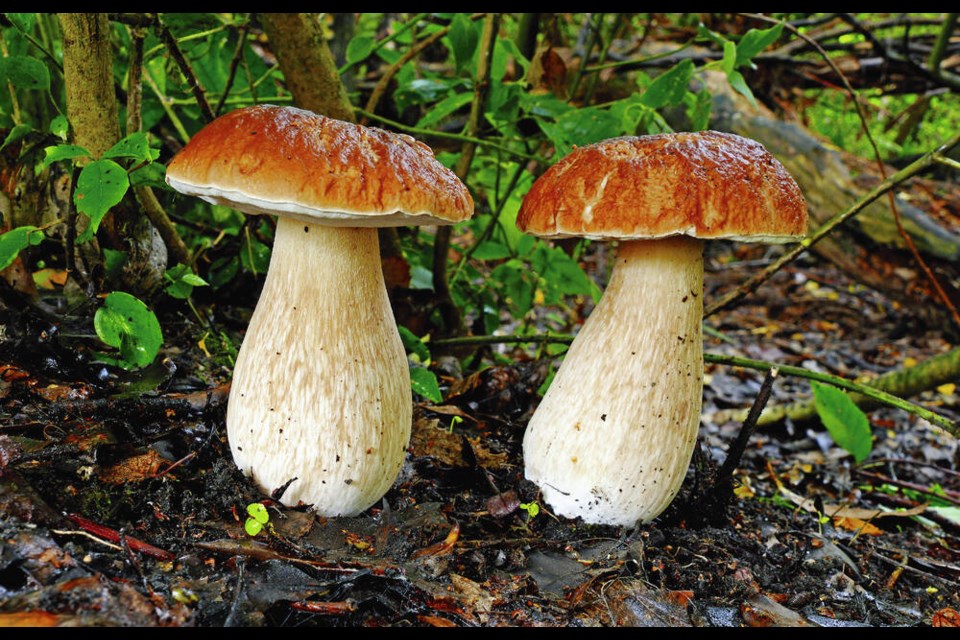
{"type": "Point", "coordinates": [112, 535]}
{"type": "Point", "coordinates": [445, 135]}
{"type": "Point", "coordinates": [192, 81]}
{"type": "Point", "coordinates": [843, 383]}
{"type": "Point", "coordinates": [452, 317]}
{"type": "Point", "coordinates": [234, 65]}
{"type": "Point", "coordinates": [738, 446]}
{"type": "Point", "coordinates": [148, 200]}
{"type": "Point", "coordinates": [381, 87]}
{"type": "Point", "coordinates": [798, 372]}
{"type": "Point", "coordinates": [947, 495]}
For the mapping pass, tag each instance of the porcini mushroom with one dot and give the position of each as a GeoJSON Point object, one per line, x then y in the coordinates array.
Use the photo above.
{"type": "Point", "coordinates": [320, 403]}
{"type": "Point", "coordinates": [612, 438]}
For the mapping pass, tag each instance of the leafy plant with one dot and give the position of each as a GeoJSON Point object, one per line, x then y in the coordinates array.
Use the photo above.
{"type": "Point", "coordinates": [423, 381]}
{"type": "Point", "coordinates": [181, 281]}
{"type": "Point", "coordinates": [127, 324]}
{"type": "Point", "coordinates": [844, 420]}
{"type": "Point", "coordinates": [258, 519]}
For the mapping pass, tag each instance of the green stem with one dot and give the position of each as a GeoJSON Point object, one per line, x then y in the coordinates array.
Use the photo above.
{"type": "Point", "coordinates": [418, 131]}
{"type": "Point", "coordinates": [409, 24]}
{"type": "Point", "coordinates": [877, 395]}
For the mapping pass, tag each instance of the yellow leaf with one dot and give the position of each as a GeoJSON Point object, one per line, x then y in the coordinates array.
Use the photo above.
{"type": "Point", "coordinates": [909, 362]}
{"type": "Point", "coordinates": [947, 389]}
{"type": "Point", "coordinates": [203, 345]}
{"type": "Point", "coordinates": [856, 524]}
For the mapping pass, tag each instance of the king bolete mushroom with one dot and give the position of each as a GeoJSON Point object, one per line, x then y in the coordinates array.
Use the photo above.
{"type": "Point", "coordinates": [320, 402]}
{"type": "Point", "coordinates": [612, 438]}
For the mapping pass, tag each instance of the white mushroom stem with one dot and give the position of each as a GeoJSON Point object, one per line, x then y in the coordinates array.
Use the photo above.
{"type": "Point", "coordinates": [321, 386]}
{"type": "Point", "coordinates": [613, 436]}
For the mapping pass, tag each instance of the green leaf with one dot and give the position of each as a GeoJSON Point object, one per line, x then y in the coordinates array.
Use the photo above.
{"type": "Point", "coordinates": [16, 240]}
{"type": "Point", "coordinates": [113, 262]}
{"type": "Point", "coordinates": [126, 323]}
{"type": "Point", "coordinates": [17, 133]}
{"type": "Point", "coordinates": [25, 73]}
{"type": "Point", "coordinates": [23, 21]}
{"type": "Point", "coordinates": [698, 106]}
{"type": "Point", "coordinates": [254, 255]}
{"type": "Point", "coordinates": [847, 424]}
{"type": "Point", "coordinates": [258, 512]}
{"type": "Point", "coordinates": [729, 57]}
{"type": "Point", "coordinates": [739, 84]}
{"type": "Point", "coordinates": [463, 37]}
{"type": "Point", "coordinates": [134, 146]}
{"type": "Point", "coordinates": [670, 87]}
{"type": "Point", "coordinates": [424, 382]}
{"type": "Point", "coordinates": [754, 41]}
{"type": "Point", "coordinates": [150, 175]}
{"type": "Point", "coordinates": [491, 250]}
{"type": "Point", "coordinates": [252, 526]}
{"type": "Point", "coordinates": [101, 185]}
{"type": "Point", "coordinates": [414, 345]}
{"type": "Point", "coordinates": [445, 107]}
{"type": "Point", "coordinates": [181, 281]}
{"type": "Point", "coordinates": [360, 48]}
{"type": "Point", "coordinates": [60, 126]}
{"type": "Point", "coordinates": [64, 152]}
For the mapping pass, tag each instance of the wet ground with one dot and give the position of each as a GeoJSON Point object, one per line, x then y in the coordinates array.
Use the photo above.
{"type": "Point", "coordinates": [119, 504]}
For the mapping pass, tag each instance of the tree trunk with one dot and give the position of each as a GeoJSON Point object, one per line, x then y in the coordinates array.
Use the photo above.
{"type": "Point", "coordinates": [93, 113]}
{"type": "Point", "coordinates": [307, 64]}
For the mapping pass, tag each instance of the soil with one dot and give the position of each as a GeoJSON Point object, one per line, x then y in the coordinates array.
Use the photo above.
{"type": "Point", "coordinates": [120, 506]}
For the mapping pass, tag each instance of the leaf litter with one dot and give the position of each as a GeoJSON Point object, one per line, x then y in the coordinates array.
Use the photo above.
{"type": "Point", "coordinates": [125, 510]}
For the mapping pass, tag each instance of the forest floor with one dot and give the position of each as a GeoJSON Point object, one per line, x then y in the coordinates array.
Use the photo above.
{"type": "Point", "coordinates": [120, 506]}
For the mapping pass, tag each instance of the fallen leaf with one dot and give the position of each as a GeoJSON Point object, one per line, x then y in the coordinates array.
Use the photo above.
{"type": "Point", "coordinates": [761, 611]}
{"type": "Point", "coordinates": [136, 468]}
{"type": "Point", "coordinates": [946, 617]}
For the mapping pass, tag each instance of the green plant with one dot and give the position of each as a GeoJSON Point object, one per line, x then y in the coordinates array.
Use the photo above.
{"type": "Point", "coordinates": [258, 519]}
{"type": "Point", "coordinates": [128, 325]}
{"type": "Point", "coordinates": [845, 421]}
{"type": "Point", "coordinates": [532, 509]}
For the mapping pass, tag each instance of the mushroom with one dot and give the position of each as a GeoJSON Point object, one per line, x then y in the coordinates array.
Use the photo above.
{"type": "Point", "coordinates": [612, 438]}
{"type": "Point", "coordinates": [320, 407]}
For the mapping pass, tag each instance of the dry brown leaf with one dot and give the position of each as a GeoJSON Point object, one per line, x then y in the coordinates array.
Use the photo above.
{"type": "Point", "coordinates": [856, 524]}
{"type": "Point", "coordinates": [133, 469]}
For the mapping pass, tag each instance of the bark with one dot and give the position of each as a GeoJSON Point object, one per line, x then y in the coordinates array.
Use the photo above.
{"type": "Point", "coordinates": [307, 64]}
{"type": "Point", "coordinates": [93, 113]}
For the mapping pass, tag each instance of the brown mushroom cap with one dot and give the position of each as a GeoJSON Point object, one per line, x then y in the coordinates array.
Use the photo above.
{"type": "Point", "coordinates": [288, 161]}
{"type": "Point", "coordinates": [707, 185]}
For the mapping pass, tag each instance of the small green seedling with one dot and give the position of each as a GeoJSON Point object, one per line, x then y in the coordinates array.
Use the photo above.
{"type": "Point", "coordinates": [532, 509]}
{"type": "Point", "coordinates": [258, 520]}
{"type": "Point", "coordinates": [454, 421]}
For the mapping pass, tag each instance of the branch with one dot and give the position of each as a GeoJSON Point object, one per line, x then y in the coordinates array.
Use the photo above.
{"type": "Point", "coordinates": [152, 208]}
{"type": "Point", "coordinates": [868, 391]}
{"type": "Point", "coordinates": [452, 317]}
{"type": "Point", "coordinates": [903, 383]}
{"type": "Point", "coordinates": [192, 81]}
{"type": "Point", "coordinates": [381, 87]}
